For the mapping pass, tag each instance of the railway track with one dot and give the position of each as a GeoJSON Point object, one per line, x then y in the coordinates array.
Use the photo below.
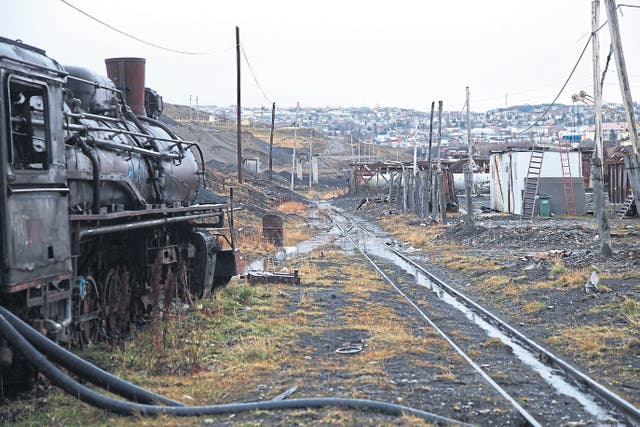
{"type": "Point", "coordinates": [599, 404]}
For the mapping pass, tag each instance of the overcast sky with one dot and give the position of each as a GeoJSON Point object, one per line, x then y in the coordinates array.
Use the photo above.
{"type": "Point", "coordinates": [339, 53]}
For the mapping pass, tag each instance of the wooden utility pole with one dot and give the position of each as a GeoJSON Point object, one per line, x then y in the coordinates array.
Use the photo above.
{"type": "Point", "coordinates": [295, 137]}
{"type": "Point", "coordinates": [439, 132]}
{"type": "Point", "coordinates": [468, 185]}
{"type": "Point", "coordinates": [273, 122]}
{"type": "Point", "coordinates": [310, 155]}
{"type": "Point", "coordinates": [440, 193]}
{"type": "Point", "coordinates": [625, 88]}
{"type": "Point", "coordinates": [596, 162]}
{"type": "Point", "coordinates": [238, 112]}
{"type": "Point", "coordinates": [353, 155]}
{"type": "Point", "coordinates": [469, 144]}
{"type": "Point", "coordinates": [429, 177]}
{"type": "Point", "coordinates": [468, 171]}
{"type": "Point", "coordinates": [415, 148]}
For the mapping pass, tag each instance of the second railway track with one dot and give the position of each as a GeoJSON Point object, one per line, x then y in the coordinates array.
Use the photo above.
{"type": "Point", "coordinates": [543, 388]}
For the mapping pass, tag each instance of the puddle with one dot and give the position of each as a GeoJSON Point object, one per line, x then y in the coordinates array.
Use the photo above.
{"type": "Point", "coordinates": [301, 248]}
{"type": "Point", "coordinates": [376, 246]}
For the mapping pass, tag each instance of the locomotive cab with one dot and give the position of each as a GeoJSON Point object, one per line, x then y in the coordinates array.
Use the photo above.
{"type": "Point", "coordinates": [36, 249]}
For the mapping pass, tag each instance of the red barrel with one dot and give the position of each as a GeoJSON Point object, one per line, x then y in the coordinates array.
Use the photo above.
{"type": "Point", "coordinates": [128, 76]}
{"type": "Point", "coordinates": [272, 230]}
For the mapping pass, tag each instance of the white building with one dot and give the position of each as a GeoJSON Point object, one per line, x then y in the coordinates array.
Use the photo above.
{"type": "Point", "coordinates": [508, 171]}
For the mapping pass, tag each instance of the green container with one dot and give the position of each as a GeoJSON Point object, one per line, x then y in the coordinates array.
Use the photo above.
{"type": "Point", "coordinates": [545, 205]}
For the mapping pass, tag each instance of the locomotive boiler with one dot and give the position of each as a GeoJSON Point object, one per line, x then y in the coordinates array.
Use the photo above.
{"type": "Point", "coordinates": [104, 219]}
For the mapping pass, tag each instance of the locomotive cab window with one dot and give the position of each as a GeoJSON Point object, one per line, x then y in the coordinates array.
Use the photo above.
{"type": "Point", "coordinates": [29, 146]}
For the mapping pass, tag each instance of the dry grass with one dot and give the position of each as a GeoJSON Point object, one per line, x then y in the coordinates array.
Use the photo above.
{"type": "Point", "coordinates": [251, 243]}
{"type": "Point", "coordinates": [593, 343]}
{"type": "Point", "coordinates": [446, 374]}
{"type": "Point", "coordinates": [419, 237]}
{"type": "Point", "coordinates": [284, 137]}
{"type": "Point", "coordinates": [534, 307]}
{"type": "Point", "coordinates": [313, 193]}
{"type": "Point", "coordinates": [291, 207]}
{"type": "Point", "coordinates": [630, 311]}
{"type": "Point", "coordinates": [572, 278]}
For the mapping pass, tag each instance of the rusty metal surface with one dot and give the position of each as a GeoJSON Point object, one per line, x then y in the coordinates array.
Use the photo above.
{"type": "Point", "coordinates": [214, 209]}
{"type": "Point", "coordinates": [270, 277]}
{"type": "Point", "coordinates": [272, 229]}
{"type": "Point", "coordinates": [619, 186]}
{"type": "Point", "coordinates": [128, 75]}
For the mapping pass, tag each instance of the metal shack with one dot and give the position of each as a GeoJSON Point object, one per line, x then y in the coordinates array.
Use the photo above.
{"type": "Point", "coordinates": [508, 170]}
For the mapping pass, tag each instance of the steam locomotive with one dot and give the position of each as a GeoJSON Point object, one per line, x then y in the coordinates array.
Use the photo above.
{"type": "Point", "coordinates": [99, 221]}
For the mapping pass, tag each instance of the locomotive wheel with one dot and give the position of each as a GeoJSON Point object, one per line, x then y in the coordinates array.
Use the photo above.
{"type": "Point", "coordinates": [116, 296]}
{"type": "Point", "coordinates": [89, 328]}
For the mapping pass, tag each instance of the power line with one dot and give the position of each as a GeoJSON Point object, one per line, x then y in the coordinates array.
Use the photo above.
{"type": "Point", "coordinates": [255, 79]}
{"type": "Point", "coordinates": [566, 82]}
{"type": "Point", "coordinates": [157, 46]}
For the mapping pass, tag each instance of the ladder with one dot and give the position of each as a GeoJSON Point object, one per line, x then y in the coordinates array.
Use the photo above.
{"type": "Point", "coordinates": [624, 209]}
{"type": "Point", "coordinates": [567, 184]}
{"type": "Point", "coordinates": [532, 181]}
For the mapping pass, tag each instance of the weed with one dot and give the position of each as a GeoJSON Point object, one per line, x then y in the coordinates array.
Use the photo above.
{"type": "Point", "coordinates": [291, 207]}
{"type": "Point", "coordinates": [493, 342]}
{"type": "Point", "coordinates": [630, 311]}
{"type": "Point", "coordinates": [534, 307]}
{"type": "Point", "coordinates": [557, 270]}
{"type": "Point", "coordinates": [592, 343]}
{"type": "Point", "coordinates": [446, 374]}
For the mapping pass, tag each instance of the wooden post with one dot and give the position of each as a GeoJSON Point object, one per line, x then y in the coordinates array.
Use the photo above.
{"type": "Point", "coordinates": [604, 232]}
{"type": "Point", "coordinates": [469, 144]}
{"type": "Point", "coordinates": [273, 122]}
{"type": "Point", "coordinates": [391, 177]}
{"type": "Point", "coordinates": [239, 111]}
{"type": "Point", "coordinates": [439, 131]}
{"type": "Point", "coordinates": [295, 136]}
{"type": "Point", "coordinates": [627, 100]}
{"type": "Point", "coordinates": [429, 178]}
{"type": "Point", "coordinates": [434, 195]}
{"type": "Point", "coordinates": [403, 183]}
{"type": "Point", "coordinates": [601, 216]}
{"type": "Point", "coordinates": [415, 148]}
{"type": "Point", "coordinates": [442, 201]}
{"type": "Point", "coordinates": [310, 155]}
{"type": "Point", "coordinates": [468, 184]}
{"type": "Point", "coordinates": [353, 156]}
{"type": "Point", "coordinates": [597, 89]}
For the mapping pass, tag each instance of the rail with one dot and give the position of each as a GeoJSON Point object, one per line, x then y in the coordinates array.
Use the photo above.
{"type": "Point", "coordinates": [626, 408]}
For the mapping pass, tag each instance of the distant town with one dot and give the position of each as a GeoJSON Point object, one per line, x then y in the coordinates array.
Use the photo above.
{"type": "Point", "coordinates": [400, 127]}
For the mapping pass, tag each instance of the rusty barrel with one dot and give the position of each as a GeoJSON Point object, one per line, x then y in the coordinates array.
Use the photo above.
{"type": "Point", "coordinates": [272, 229]}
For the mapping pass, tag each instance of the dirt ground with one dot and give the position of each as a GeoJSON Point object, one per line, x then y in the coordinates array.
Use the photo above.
{"type": "Point", "coordinates": [533, 274]}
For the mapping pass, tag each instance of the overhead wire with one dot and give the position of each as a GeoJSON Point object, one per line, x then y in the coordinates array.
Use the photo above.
{"type": "Point", "coordinates": [138, 39]}
{"type": "Point", "coordinates": [253, 74]}
{"type": "Point", "coordinates": [564, 85]}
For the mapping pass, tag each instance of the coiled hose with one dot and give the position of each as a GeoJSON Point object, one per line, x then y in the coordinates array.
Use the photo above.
{"type": "Point", "coordinates": [82, 368]}
{"type": "Point", "coordinates": [72, 387]}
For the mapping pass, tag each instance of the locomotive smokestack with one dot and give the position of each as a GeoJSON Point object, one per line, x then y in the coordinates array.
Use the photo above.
{"type": "Point", "coordinates": [128, 76]}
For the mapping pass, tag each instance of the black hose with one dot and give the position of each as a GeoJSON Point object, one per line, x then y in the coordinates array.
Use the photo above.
{"type": "Point", "coordinates": [82, 368]}
{"type": "Point", "coordinates": [95, 163]}
{"type": "Point", "coordinates": [72, 387]}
